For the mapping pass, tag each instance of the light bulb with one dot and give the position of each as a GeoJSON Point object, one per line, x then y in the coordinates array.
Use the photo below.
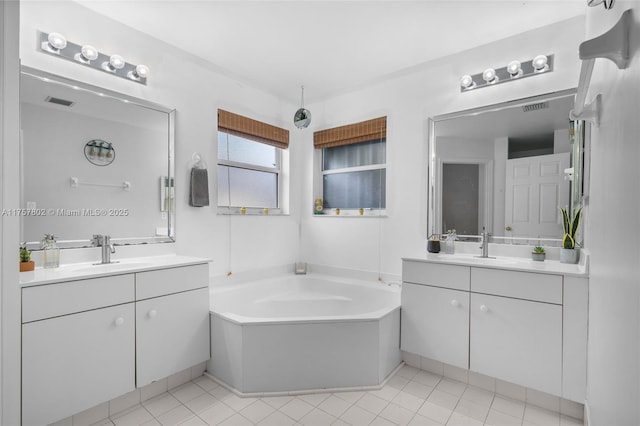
{"type": "Point", "coordinates": [466, 81]}
{"type": "Point", "coordinates": [540, 63]}
{"type": "Point", "coordinates": [116, 62]}
{"type": "Point", "coordinates": [514, 68]}
{"type": "Point", "coordinates": [89, 53]}
{"type": "Point", "coordinates": [142, 71]}
{"type": "Point", "coordinates": [489, 75]}
{"type": "Point", "coordinates": [56, 41]}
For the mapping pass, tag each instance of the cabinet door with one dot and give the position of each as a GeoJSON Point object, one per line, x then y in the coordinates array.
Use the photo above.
{"type": "Point", "coordinates": [172, 333]}
{"type": "Point", "coordinates": [73, 362]}
{"type": "Point", "coordinates": [517, 340]}
{"type": "Point", "coordinates": [435, 323]}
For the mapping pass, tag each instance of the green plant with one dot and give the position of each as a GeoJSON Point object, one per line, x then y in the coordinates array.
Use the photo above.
{"type": "Point", "coordinates": [570, 226]}
{"type": "Point", "coordinates": [25, 255]}
{"type": "Point", "coordinates": [538, 249]}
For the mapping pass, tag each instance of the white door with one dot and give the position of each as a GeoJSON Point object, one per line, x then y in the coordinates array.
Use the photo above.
{"type": "Point", "coordinates": [435, 323]}
{"type": "Point", "coordinates": [73, 362]}
{"type": "Point", "coordinates": [172, 333]}
{"type": "Point", "coordinates": [535, 190]}
{"type": "Point", "coordinates": [516, 340]}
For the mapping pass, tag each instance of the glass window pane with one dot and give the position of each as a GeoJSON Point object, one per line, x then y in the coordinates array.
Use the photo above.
{"type": "Point", "coordinates": [235, 148]}
{"type": "Point", "coordinates": [247, 188]}
{"type": "Point", "coordinates": [354, 190]}
{"type": "Point", "coordinates": [360, 154]}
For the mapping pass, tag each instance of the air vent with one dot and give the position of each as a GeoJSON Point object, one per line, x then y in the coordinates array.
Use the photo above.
{"type": "Point", "coordinates": [59, 101]}
{"type": "Point", "coordinates": [535, 107]}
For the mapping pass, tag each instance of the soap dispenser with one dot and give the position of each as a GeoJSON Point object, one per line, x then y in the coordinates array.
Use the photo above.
{"type": "Point", "coordinates": [51, 251]}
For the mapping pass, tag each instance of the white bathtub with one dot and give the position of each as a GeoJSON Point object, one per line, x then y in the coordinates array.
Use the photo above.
{"type": "Point", "coordinates": [298, 333]}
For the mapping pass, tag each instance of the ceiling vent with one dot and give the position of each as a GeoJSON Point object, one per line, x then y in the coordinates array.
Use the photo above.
{"type": "Point", "coordinates": [535, 107]}
{"type": "Point", "coordinates": [59, 101]}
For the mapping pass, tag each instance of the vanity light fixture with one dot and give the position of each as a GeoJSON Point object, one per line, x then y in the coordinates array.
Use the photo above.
{"type": "Point", "coordinates": [57, 44]}
{"type": "Point", "coordinates": [515, 70]}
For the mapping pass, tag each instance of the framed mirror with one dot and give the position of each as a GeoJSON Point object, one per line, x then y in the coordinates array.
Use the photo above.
{"type": "Point", "coordinates": [73, 184]}
{"type": "Point", "coordinates": [507, 168]}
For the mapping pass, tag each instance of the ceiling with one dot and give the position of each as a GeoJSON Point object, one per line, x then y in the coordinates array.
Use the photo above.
{"type": "Point", "coordinates": [329, 46]}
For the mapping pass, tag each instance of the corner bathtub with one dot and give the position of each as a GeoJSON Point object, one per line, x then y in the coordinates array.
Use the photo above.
{"type": "Point", "coordinates": [304, 332]}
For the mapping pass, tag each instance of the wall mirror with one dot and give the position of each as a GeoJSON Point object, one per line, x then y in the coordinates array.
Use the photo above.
{"type": "Point", "coordinates": [65, 194]}
{"type": "Point", "coordinates": [508, 168]}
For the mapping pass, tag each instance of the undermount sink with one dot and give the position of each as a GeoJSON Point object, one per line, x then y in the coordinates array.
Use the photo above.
{"type": "Point", "coordinates": [113, 266]}
{"type": "Point", "coordinates": [491, 260]}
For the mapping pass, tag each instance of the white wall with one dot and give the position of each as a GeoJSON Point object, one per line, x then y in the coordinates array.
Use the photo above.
{"type": "Point", "coordinates": [408, 100]}
{"type": "Point", "coordinates": [9, 225]}
{"type": "Point", "coordinates": [196, 90]}
{"type": "Point", "coordinates": [613, 232]}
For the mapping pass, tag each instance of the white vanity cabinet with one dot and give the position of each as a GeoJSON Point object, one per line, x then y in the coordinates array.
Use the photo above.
{"type": "Point", "coordinates": [87, 341]}
{"type": "Point", "coordinates": [78, 346]}
{"type": "Point", "coordinates": [517, 326]}
{"type": "Point", "coordinates": [435, 313]}
{"type": "Point", "coordinates": [172, 321]}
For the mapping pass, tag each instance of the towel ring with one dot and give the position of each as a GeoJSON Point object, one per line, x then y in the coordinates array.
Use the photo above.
{"type": "Point", "coordinates": [197, 161]}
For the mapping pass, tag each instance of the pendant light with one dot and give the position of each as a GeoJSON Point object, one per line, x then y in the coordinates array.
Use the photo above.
{"type": "Point", "coordinates": [302, 117]}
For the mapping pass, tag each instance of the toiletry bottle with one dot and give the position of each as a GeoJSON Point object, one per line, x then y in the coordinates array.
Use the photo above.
{"type": "Point", "coordinates": [451, 238]}
{"type": "Point", "coordinates": [51, 251]}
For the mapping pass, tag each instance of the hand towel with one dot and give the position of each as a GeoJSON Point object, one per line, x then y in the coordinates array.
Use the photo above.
{"type": "Point", "coordinates": [199, 192]}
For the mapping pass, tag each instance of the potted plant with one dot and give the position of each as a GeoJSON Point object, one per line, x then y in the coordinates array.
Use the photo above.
{"type": "Point", "coordinates": [568, 252]}
{"type": "Point", "coordinates": [538, 254]}
{"type": "Point", "coordinates": [26, 264]}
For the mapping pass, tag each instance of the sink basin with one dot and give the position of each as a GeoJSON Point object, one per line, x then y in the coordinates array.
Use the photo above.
{"type": "Point", "coordinates": [492, 260]}
{"type": "Point", "coordinates": [107, 267]}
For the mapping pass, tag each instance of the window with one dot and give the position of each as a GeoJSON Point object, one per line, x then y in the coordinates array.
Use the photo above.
{"type": "Point", "coordinates": [249, 164]}
{"type": "Point", "coordinates": [353, 166]}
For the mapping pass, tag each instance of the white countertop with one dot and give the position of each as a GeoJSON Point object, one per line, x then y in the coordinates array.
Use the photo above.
{"type": "Point", "coordinates": [80, 271]}
{"type": "Point", "coordinates": [508, 263]}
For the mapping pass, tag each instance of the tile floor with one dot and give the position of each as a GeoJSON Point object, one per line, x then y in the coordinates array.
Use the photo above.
{"type": "Point", "coordinates": [410, 397]}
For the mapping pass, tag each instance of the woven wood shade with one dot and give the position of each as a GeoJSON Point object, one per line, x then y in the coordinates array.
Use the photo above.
{"type": "Point", "coordinates": [255, 130]}
{"type": "Point", "coordinates": [351, 133]}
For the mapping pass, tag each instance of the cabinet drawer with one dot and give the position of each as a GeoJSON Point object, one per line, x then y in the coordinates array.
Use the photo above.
{"type": "Point", "coordinates": [58, 299]}
{"type": "Point", "coordinates": [172, 280]}
{"type": "Point", "coordinates": [436, 274]}
{"type": "Point", "coordinates": [521, 285]}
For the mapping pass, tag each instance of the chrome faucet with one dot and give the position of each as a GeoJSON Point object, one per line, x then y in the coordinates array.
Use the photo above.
{"type": "Point", "coordinates": [104, 241]}
{"type": "Point", "coordinates": [485, 243]}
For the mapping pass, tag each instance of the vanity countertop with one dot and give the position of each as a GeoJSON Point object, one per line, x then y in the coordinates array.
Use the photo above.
{"type": "Point", "coordinates": [509, 263]}
{"type": "Point", "coordinates": [80, 271]}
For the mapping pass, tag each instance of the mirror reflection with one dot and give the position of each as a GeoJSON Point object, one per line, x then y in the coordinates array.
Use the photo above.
{"type": "Point", "coordinates": [507, 168]}
{"type": "Point", "coordinates": [73, 183]}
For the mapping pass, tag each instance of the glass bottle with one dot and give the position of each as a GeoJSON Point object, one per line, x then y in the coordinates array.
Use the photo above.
{"type": "Point", "coordinates": [51, 251]}
{"type": "Point", "coordinates": [451, 238]}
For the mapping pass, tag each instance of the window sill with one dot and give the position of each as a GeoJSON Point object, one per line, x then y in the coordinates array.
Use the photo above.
{"type": "Point", "coordinates": [353, 214]}
{"type": "Point", "coordinates": [237, 211]}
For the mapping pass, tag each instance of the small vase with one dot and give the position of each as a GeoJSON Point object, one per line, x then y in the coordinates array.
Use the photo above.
{"type": "Point", "coordinates": [569, 255]}
{"type": "Point", "coordinates": [27, 266]}
{"type": "Point", "coordinates": [538, 257]}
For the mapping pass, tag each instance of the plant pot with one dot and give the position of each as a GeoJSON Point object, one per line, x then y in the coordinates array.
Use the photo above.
{"type": "Point", "coordinates": [27, 266]}
{"type": "Point", "coordinates": [538, 257]}
{"type": "Point", "coordinates": [433, 246]}
{"type": "Point", "coordinates": [569, 255]}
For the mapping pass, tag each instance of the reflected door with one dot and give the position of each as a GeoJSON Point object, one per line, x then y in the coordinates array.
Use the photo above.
{"type": "Point", "coordinates": [535, 189]}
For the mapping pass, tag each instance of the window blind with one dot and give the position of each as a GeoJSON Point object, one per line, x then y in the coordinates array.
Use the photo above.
{"type": "Point", "coordinates": [255, 130]}
{"type": "Point", "coordinates": [351, 133]}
